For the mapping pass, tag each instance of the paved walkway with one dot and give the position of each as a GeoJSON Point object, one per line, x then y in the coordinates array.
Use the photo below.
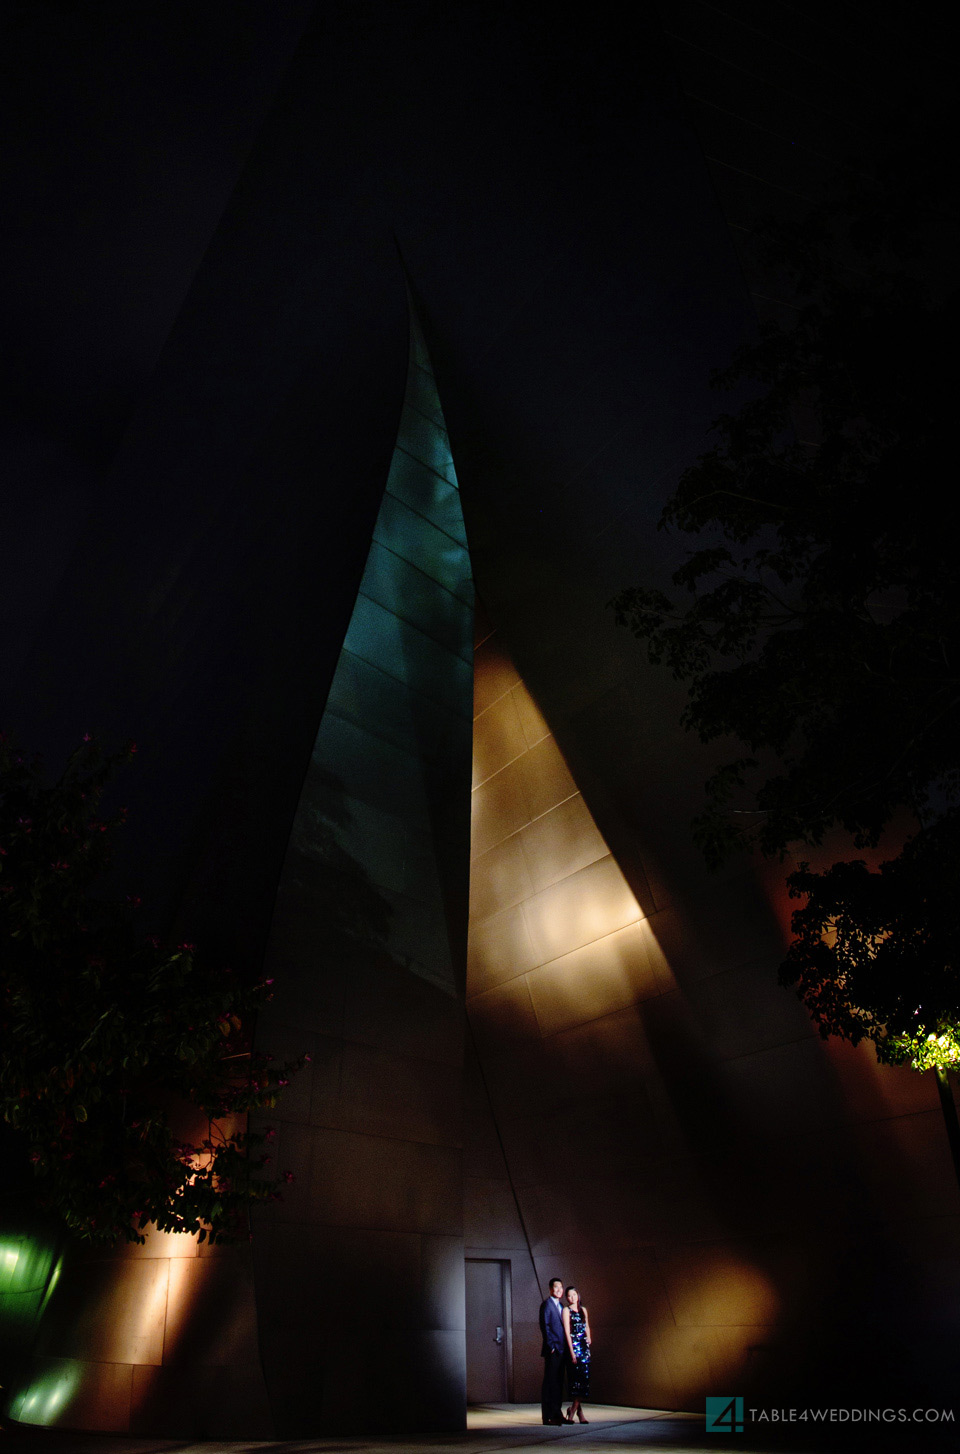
{"type": "Point", "coordinates": [514, 1427]}
{"type": "Point", "coordinates": [490, 1428]}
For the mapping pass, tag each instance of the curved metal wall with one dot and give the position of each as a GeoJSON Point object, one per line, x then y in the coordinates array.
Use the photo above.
{"type": "Point", "coordinates": [365, 1250]}
{"type": "Point", "coordinates": [581, 282]}
{"type": "Point", "coordinates": [156, 1338]}
{"type": "Point", "coordinates": [652, 1117]}
{"type": "Point", "coordinates": [359, 1269]}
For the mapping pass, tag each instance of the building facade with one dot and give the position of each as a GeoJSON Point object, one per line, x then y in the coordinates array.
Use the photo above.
{"type": "Point", "coordinates": [544, 1041]}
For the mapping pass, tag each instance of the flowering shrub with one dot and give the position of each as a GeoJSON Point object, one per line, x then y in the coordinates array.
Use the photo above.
{"type": "Point", "coordinates": [128, 1065]}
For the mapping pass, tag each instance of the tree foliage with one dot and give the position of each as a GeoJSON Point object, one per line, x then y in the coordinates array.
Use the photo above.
{"type": "Point", "coordinates": [876, 953]}
{"type": "Point", "coordinates": [818, 623]}
{"type": "Point", "coordinates": [128, 1065]}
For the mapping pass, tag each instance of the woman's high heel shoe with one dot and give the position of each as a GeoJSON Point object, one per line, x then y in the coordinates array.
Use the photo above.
{"type": "Point", "coordinates": [580, 1416]}
{"type": "Point", "coordinates": [566, 1418]}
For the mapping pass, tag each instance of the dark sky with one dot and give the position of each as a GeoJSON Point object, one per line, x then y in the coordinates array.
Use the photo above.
{"type": "Point", "coordinates": [203, 313]}
{"type": "Point", "coordinates": [508, 155]}
{"type": "Point", "coordinates": [126, 127]}
{"type": "Point", "coordinates": [204, 324]}
{"type": "Point", "coordinates": [535, 163]}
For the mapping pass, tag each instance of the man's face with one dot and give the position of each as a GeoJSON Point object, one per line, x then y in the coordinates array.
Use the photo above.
{"type": "Point", "coordinates": [556, 1288]}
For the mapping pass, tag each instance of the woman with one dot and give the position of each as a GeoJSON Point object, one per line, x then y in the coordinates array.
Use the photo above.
{"type": "Point", "coordinates": [576, 1327]}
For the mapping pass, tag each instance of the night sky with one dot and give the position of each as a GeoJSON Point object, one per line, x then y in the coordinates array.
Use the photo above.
{"type": "Point", "coordinates": [126, 127]}
{"type": "Point", "coordinates": [512, 159]}
{"type": "Point", "coordinates": [204, 317]}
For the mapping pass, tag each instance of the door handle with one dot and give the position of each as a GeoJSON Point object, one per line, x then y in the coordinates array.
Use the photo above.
{"type": "Point", "coordinates": [499, 1337]}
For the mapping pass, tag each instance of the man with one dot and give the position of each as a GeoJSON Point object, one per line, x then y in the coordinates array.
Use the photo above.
{"type": "Point", "coordinates": [551, 1327]}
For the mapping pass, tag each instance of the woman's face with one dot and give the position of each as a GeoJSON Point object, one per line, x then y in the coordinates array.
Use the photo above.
{"type": "Point", "coordinates": [573, 1297]}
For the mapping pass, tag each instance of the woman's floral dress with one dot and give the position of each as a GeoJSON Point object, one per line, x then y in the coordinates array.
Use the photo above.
{"type": "Point", "coordinates": [578, 1374]}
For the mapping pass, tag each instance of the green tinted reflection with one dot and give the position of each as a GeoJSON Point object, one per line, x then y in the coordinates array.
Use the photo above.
{"type": "Point", "coordinates": [396, 730]}
{"type": "Point", "coordinates": [426, 442]}
{"type": "Point", "coordinates": [29, 1272]}
{"type": "Point", "coordinates": [425, 492]}
{"type": "Point", "coordinates": [363, 694]}
{"type": "Point", "coordinates": [416, 598]}
{"type": "Point", "coordinates": [381, 638]}
{"type": "Point", "coordinates": [432, 551]}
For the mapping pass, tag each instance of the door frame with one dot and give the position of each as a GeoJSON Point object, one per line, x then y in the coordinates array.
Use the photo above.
{"type": "Point", "coordinates": [506, 1293]}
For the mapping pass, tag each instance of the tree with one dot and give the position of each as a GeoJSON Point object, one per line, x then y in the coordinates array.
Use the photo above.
{"type": "Point", "coordinates": [128, 1065]}
{"type": "Point", "coordinates": [821, 624]}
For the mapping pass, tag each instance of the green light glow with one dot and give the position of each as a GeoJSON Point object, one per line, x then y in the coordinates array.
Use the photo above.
{"type": "Point", "coordinates": [25, 1266]}
{"type": "Point", "coordinates": [29, 1271]}
{"type": "Point", "coordinates": [46, 1398]}
{"type": "Point", "coordinates": [934, 1051]}
{"type": "Point", "coordinates": [54, 1279]}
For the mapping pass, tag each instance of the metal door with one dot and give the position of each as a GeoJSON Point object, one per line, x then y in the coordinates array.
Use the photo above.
{"type": "Point", "coordinates": [488, 1331]}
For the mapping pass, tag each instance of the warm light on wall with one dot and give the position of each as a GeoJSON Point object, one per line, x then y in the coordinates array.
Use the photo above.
{"type": "Point", "coordinates": [551, 911]}
{"type": "Point", "coordinates": [720, 1308]}
{"type": "Point", "coordinates": [143, 1315]}
{"type": "Point", "coordinates": [566, 970]}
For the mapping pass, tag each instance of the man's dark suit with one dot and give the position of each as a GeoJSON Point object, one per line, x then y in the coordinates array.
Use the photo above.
{"type": "Point", "coordinates": [551, 1327]}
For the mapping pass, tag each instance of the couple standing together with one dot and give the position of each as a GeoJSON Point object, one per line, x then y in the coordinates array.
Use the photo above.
{"type": "Point", "coordinates": [565, 1327]}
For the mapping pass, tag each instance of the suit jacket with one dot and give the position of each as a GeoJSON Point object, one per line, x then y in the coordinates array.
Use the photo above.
{"type": "Point", "coordinates": [551, 1326]}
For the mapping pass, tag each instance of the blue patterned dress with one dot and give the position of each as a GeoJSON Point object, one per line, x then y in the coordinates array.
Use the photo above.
{"type": "Point", "coordinates": [578, 1374]}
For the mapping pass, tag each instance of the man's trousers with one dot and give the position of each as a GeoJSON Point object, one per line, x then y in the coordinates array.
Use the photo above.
{"type": "Point", "coordinates": [552, 1392]}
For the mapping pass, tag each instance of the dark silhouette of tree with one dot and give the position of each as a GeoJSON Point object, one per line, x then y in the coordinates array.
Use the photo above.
{"type": "Point", "coordinates": [128, 1065]}
{"type": "Point", "coordinates": [819, 618]}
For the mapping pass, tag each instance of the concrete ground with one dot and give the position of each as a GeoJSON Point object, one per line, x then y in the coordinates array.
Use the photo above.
{"type": "Point", "coordinates": [490, 1428]}
{"type": "Point", "coordinates": [514, 1427]}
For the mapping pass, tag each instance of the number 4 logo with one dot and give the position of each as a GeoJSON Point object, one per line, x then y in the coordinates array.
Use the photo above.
{"type": "Point", "coordinates": [724, 1416]}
